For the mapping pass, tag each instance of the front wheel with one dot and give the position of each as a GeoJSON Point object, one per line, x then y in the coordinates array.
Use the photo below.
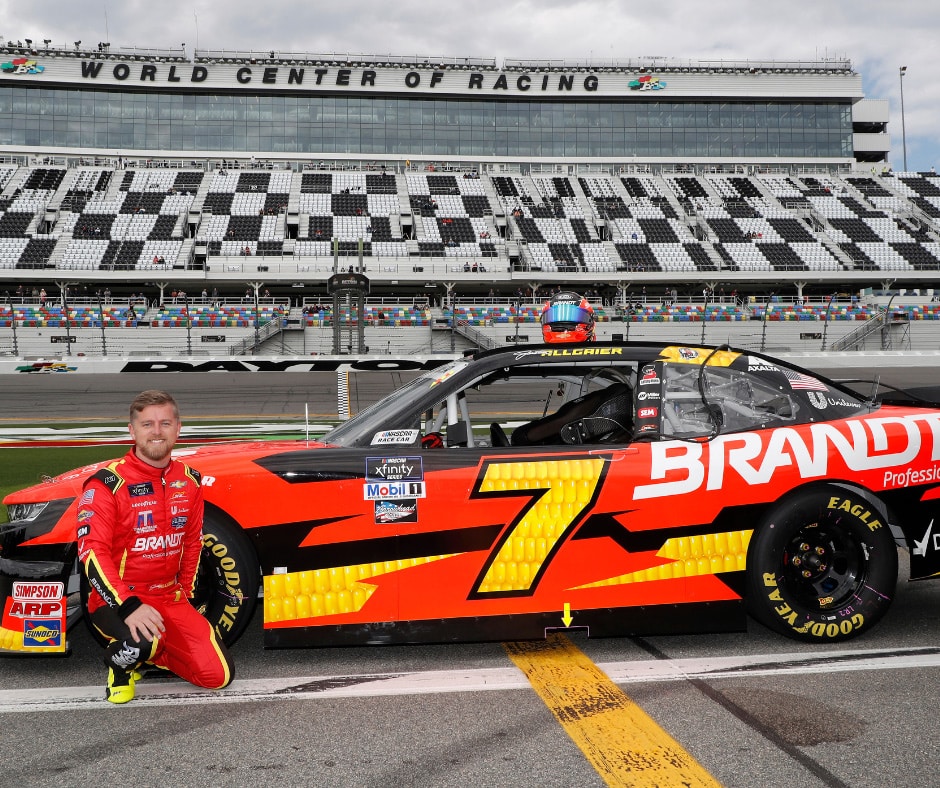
{"type": "Point", "coordinates": [227, 583]}
{"type": "Point", "coordinates": [229, 577]}
{"type": "Point", "coordinates": [822, 566]}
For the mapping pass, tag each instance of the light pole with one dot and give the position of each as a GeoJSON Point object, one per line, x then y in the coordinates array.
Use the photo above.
{"type": "Point", "coordinates": [901, 72]}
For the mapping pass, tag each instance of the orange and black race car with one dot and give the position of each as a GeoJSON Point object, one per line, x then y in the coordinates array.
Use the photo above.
{"type": "Point", "coordinates": [616, 488]}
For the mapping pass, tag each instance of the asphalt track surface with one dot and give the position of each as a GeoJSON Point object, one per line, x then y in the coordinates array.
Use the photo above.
{"type": "Point", "coordinates": [747, 709]}
{"type": "Point", "coordinates": [264, 395]}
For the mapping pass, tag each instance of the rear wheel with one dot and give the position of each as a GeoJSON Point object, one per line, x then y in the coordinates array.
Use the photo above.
{"type": "Point", "coordinates": [822, 566]}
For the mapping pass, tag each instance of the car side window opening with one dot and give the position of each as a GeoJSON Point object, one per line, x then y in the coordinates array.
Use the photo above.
{"type": "Point", "coordinates": [702, 402]}
{"type": "Point", "coordinates": [528, 410]}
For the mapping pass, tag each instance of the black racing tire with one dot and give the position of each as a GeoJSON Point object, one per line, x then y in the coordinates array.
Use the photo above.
{"type": "Point", "coordinates": [229, 576]}
{"type": "Point", "coordinates": [822, 565]}
{"type": "Point", "coordinates": [227, 583]}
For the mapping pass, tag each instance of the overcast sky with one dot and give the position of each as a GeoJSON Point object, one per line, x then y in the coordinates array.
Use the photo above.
{"type": "Point", "coordinates": [877, 36]}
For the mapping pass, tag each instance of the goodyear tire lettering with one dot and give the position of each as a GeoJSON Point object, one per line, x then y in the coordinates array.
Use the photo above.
{"type": "Point", "coordinates": [228, 580]}
{"type": "Point", "coordinates": [822, 566]}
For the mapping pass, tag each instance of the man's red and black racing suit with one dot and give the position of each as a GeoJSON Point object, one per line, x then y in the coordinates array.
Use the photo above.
{"type": "Point", "coordinates": [139, 539]}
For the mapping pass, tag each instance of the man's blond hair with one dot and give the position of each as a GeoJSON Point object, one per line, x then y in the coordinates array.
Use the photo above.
{"type": "Point", "coordinates": [153, 397]}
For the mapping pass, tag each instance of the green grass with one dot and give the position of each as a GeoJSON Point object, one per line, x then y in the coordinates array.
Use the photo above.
{"type": "Point", "coordinates": [24, 467]}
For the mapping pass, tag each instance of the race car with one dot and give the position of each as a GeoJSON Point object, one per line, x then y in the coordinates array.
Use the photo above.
{"type": "Point", "coordinates": [614, 488]}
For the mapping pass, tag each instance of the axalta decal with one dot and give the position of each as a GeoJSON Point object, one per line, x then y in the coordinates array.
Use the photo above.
{"type": "Point", "coordinates": [679, 467]}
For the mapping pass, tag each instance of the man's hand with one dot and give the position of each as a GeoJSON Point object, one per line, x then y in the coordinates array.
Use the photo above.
{"type": "Point", "coordinates": [145, 623]}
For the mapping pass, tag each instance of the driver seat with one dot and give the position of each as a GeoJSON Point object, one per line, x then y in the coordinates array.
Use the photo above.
{"type": "Point", "coordinates": [604, 413]}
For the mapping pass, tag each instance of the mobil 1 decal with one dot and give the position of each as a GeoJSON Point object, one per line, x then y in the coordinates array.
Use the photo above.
{"type": "Point", "coordinates": [394, 484]}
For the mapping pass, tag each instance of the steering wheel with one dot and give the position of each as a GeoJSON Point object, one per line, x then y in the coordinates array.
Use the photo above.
{"type": "Point", "coordinates": [498, 436]}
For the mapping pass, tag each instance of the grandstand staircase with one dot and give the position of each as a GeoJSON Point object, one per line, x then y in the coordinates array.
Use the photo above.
{"type": "Point", "coordinates": [894, 333]}
{"type": "Point", "coordinates": [440, 321]}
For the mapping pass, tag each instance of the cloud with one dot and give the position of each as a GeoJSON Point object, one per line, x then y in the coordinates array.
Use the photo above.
{"type": "Point", "coordinates": [876, 36]}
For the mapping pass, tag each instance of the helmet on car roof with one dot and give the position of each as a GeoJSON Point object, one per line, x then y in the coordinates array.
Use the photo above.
{"type": "Point", "coordinates": [567, 317]}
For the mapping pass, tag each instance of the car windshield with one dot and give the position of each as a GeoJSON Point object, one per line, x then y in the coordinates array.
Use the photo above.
{"type": "Point", "coordinates": [392, 412]}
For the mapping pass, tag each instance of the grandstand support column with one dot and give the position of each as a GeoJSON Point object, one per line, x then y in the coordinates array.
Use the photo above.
{"type": "Point", "coordinates": [799, 291]}
{"type": "Point", "coordinates": [826, 322]}
{"type": "Point", "coordinates": [534, 287]}
{"type": "Point", "coordinates": [104, 341]}
{"type": "Point", "coordinates": [256, 288]}
{"type": "Point", "coordinates": [13, 326]}
{"type": "Point", "coordinates": [189, 327]}
{"type": "Point", "coordinates": [708, 289]}
{"type": "Point", "coordinates": [64, 289]}
{"type": "Point", "coordinates": [763, 332]}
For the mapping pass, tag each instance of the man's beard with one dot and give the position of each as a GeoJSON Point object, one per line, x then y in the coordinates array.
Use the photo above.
{"type": "Point", "coordinates": [155, 452]}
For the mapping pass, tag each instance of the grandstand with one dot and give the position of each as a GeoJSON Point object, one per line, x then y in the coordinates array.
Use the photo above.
{"type": "Point", "coordinates": [734, 195]}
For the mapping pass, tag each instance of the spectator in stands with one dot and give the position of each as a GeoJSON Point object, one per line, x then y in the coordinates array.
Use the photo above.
{"type": "Point", "coordinates": [466, 267]}
{"type": "Point", "coordinates": [161, 260]}
{"type": "Point", "coordinates": [156, 259]}
{"type": "Point", "coordinates": [42, 298]}
{"type": "Point", "coordinates": [19, 293]}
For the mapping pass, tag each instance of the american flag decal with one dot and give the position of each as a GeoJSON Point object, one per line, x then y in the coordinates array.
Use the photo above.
{"type": "Point", "coordinates": [804, 382]}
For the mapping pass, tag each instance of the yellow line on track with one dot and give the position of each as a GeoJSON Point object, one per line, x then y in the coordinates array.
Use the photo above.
{"type": "Point", "coordinates": [620, 740]}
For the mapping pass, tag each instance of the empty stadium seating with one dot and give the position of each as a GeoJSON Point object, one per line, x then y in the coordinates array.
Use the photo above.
{"type": "Point", "coordinates": [96, 218]}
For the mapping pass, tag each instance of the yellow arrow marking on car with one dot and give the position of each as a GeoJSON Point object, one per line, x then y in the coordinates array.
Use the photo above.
{"type": "Point", "coordinates": [567, 616]}
{"type": "Point", "coordinates": [621, 741]}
